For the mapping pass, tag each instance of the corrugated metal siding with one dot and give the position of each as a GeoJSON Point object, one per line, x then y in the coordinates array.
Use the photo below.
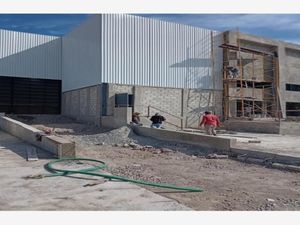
{"type": "Point", "coordinates": [142, 51]}
{"type": "Point", "coordinates": [81, 55]}
{"type": "Point", "coordinates": [29, 55]}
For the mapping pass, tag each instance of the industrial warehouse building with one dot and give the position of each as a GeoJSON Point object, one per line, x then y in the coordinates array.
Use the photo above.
{"type": "Point", "coordinates": [114, 64]}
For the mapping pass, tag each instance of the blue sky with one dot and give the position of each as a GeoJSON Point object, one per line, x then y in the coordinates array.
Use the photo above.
{"type": "Point", "coordinates": [284, 27]}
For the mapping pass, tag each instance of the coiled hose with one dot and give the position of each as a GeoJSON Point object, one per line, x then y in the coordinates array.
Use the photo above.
{"type": "Point", "coordinates": [101, 166]}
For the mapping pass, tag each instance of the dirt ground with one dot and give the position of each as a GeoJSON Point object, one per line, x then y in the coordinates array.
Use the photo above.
{"type": "Point", "coordinates": [227, 184]}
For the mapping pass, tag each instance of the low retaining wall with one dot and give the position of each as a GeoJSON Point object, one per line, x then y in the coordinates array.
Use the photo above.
{"type": "Point", "coordinates": [270, 127]}
{"type": "Point", "coordinates": [291, 128]}
{"type": "Point", "coordinates": [53, 144]}
{"type": "Point", "coordinates": [209, 142]}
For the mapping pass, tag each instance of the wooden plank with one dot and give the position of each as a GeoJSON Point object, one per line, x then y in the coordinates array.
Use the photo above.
{"type": "Point", "coordinates": [31, 153]}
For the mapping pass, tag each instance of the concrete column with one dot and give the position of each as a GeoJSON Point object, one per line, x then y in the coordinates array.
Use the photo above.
{"type": "Point", "coordinates": [232, 108]}
{"type": "Point", "coordinates": [283, 72]}
{"type": "Point", "coordinates": [184, 99]}
{"type": "Point", "coordinates": [99, 104]}
{"type": "Point", "coordinates": [111, 100]}
{"type": "Point", "coordinates": [138, 94]}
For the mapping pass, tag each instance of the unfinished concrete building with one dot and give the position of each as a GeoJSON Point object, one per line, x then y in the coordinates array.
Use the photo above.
{"type": "Point", "coordinates": [261, 83]}
{"type": "Point", "coordinates": [115, 64]}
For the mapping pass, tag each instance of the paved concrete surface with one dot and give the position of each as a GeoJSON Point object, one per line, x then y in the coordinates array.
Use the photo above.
{"type": "Point", "coordinates": [280, 146]}
{"type": "Point", "coordinates": [274, 143]}
{"type": "Point", "coordinates": [65, 193]}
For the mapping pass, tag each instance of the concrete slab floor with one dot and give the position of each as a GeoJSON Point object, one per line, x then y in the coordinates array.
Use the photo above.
{"type": "Point", "coordinates": [272, 143]}
{"type": "Point", "coordinates": [65, 193]}
{"type": "Point", "coordinates": [285, 145]}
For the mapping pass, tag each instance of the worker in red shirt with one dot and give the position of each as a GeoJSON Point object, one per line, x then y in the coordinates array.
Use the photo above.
{"type": "Point", "coordinates": [210, 122]}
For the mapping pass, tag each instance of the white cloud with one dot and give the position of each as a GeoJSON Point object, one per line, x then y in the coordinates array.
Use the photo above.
{"type": "Point", "coordinates": [250, 21]}
{"type": "Point", "coordinates": [233, 21]}
{"type": "Point", "coordinates": [293, 40]}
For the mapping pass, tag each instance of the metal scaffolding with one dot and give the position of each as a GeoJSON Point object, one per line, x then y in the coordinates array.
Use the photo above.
{"type": "Point", "coordinates": [250, 82]}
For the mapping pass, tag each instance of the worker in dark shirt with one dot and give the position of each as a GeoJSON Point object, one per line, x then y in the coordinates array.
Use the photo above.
{"type": "Point", "coordinates": [157, 120]}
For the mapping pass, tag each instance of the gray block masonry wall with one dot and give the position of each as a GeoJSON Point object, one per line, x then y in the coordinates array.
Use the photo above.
{"type": "Point", "coordinates": [83, 104]}
{"type": "Point", "coordinates": [166, 101]}
{"type": "Point", "coordinates": [198, 101]}
{"type": "Point", "coordinates": [177, 105]}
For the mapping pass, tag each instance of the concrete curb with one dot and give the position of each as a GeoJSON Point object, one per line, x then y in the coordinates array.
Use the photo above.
{"type": "Point", "coordinates": [264, 156]}
{"type": "Point", "coordinates": [217, 144]}
{"type": "Point", "coordinates": [53, 144]}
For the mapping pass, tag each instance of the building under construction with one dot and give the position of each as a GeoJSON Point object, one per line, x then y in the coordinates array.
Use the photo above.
{"type": "Point", "coordinates": [260, 82]}
{"type": "Point", "coordinates": [114, 64]}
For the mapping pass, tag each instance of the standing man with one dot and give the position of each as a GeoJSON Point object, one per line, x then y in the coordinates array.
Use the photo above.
{"type": "Point", "coordinates": [210, 122]}
{"type": "Point", "coordinates": [157, 120]}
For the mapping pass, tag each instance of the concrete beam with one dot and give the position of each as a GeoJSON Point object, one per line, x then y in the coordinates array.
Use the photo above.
{"type": "Point", "coordinates": [53, 144]}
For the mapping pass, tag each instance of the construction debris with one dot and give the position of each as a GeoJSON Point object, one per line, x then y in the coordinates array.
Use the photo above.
{"type": "Point", "coordinates": [101, 181]}
{"type": "Point", "coordinates": [245, 158]}
{"type": "Point", "coordinates": [254, 141]}
{"type": "Point", "coordinates": [215, 156]}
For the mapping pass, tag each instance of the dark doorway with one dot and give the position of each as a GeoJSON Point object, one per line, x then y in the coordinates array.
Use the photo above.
{"type": "Point", "coordinates": [30, 96]}
{"type": "Point", "coordinates": [293, 108]}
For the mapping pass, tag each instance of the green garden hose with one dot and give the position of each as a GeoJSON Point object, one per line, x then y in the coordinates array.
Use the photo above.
{"type": "Point", "coordinates": [101, 165]}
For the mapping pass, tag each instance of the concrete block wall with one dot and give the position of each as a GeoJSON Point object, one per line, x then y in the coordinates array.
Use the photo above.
{"type": "Point", "coordinates": [121, 117]}
{"type": "Point", "coordinates": [173, 103]}
{"type": "Point", "coordinates": [83, 104]}
{"type": "Point", "coordinates": [198, 102]}
{"type": "Point", "coordinates": [166, 99]}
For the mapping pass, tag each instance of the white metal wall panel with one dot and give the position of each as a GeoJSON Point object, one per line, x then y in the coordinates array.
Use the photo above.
{"type": "Point", "coordinates": [142, 51]}
{"type": "Point", "coordinates": [81, 55]}
{"type": "Point", "coordinates": [29, 55]}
